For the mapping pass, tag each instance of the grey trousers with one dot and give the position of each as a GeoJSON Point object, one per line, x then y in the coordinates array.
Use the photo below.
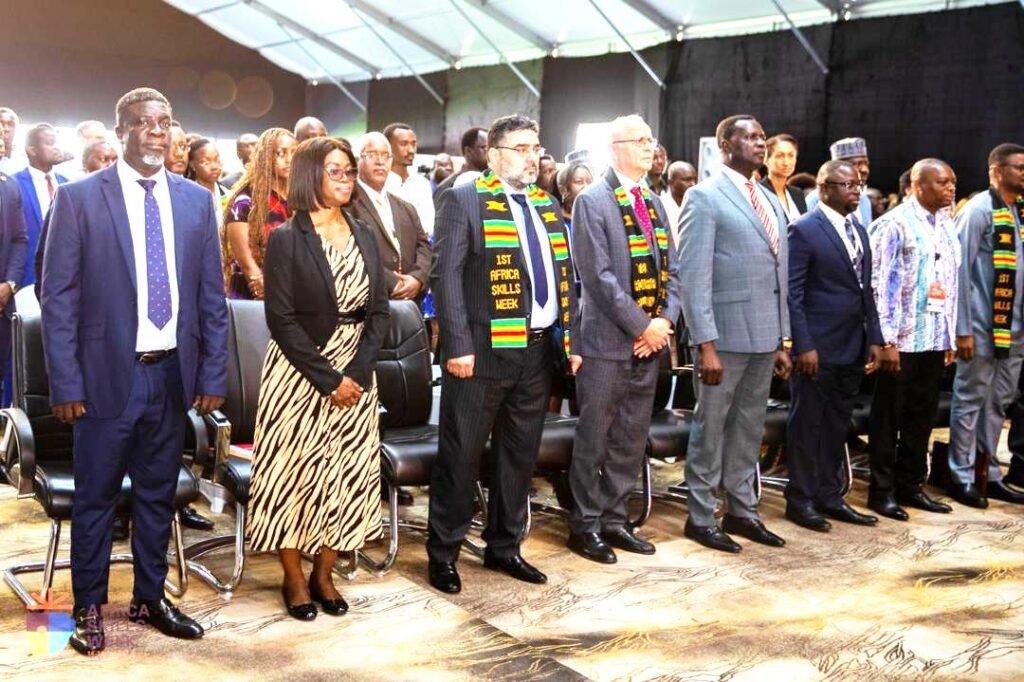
{"type": "Point", "coordinates": [615, 399]}
{"type": "Point", "coordinates": [982, 390]}
{"type": "Point", "coordinates": [725, 441]}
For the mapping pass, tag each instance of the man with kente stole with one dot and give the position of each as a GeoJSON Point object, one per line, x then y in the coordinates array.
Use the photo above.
{"type": "Point", "coordinates": [990, 328]}
{"type": "Point", "coordinates": [502, 283]}
{"type": "Point", "coordinates": [627, 266]}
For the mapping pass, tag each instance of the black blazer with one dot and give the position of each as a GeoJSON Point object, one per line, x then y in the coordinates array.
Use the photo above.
{"type": "Point", "coordinates": [301, 303]}
{"type": "Point", "coordinates": [795, 195]}
{"type": "Point", "coordinates": [415, 244]}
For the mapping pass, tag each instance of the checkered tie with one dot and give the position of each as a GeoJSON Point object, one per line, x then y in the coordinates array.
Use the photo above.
{"type": "Point", "coordinates": [157, 280]}
{"type": "Point", "coordinates": [858, 250]}
{"type": "Point", "coordinates": [759, 209]}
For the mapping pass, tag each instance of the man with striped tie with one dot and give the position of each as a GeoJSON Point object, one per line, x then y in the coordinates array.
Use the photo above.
{"type": "Point", "coordinates": [733, 283]}
{"type": "Point", "coordinates": [835, 329]}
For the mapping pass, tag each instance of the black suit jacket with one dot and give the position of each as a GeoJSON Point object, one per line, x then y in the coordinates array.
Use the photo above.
{"type": "Point", "coordinates": [302, 305]}
{"type": "Point", "coordinates": [795, 195]}
{"type": "Point", "coordinates": [13, 237]}
{"type": "Point", "coordinates": [460, 281]}
{"type": "Point", "coordinates": [414, 258]}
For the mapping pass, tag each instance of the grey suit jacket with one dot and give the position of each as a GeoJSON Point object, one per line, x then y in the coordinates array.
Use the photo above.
{"type": "Point", "coordinates": [414, 258]}
{"type": "Point", "coordinates": [460, 281]}
{"type": "Point", "coordinates": [733, 289]}
{"type": "Point", "coordinates": [610, 319]}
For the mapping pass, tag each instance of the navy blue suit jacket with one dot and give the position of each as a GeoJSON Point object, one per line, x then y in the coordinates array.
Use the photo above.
{"type": "Point", "coordinates": [89, 308]}
{"type": "Point", "coordinates": [33, 222]}
{"type": "Point", "coordinates": [829, 311]}
{"type": "Point", "coordinates": [12, 236]}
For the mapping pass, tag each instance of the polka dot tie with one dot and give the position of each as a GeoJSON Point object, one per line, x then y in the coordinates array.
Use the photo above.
{"type": "Point", "coordinates": [157, 280]}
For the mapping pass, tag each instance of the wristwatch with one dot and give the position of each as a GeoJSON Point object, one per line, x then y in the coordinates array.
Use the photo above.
{"type": "Point", "coordinates": [13, 285]}
{"type": "Point", "coordinates": [785, 344]}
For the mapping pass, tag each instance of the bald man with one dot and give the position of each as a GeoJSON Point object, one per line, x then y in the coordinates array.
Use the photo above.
{"type": "Point", "coordinates": [244, 147]}
{"type": "Point", "coordinates": [915, 259]}
{"type": "Point", "coordinates": [308, 127]}
{"type": "Point", "coordinates": [681, 177]}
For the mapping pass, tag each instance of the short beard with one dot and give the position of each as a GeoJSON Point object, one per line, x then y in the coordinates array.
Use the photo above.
{"type": "Point", "coordinates": [152, 159]}
{"type": "Point", "coordinates": [521, 181]}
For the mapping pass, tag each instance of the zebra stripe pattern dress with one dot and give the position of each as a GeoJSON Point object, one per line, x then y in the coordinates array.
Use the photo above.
{"type": "Point", "coordinates": [316, 468]}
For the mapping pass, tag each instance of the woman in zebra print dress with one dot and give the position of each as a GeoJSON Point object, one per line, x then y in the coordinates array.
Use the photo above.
{"type": "Point", "coordinates": [316, 464]}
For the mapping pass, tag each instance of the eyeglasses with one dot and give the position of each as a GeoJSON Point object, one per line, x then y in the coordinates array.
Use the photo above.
{"type": "Point", "coordinates": [1019, 167]}
{"type": "Point", "coordinates": [524, 151]}
{"type": "Point", "coordinates": [342, 174]}
{"type": "Point", "coordinates": [641, 142]}
{"type": "Point", "coordinates": [376, 156]}
{"type": "Point", "coordinates": [147, 123]}
{"type": "Point", "coordinates": [848, 185]}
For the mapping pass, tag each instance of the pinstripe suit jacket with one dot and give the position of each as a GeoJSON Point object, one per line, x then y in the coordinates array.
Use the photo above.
{"type": "Point", "coordinates": [460, 282]}
{"type": "Point", "coordinates": [733, 289]}
{"type": "Point", "coordinates": [609, 317]}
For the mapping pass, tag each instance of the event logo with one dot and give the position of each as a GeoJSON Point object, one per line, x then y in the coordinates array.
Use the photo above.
{"type": "Point", "coordinates": [50, 624]}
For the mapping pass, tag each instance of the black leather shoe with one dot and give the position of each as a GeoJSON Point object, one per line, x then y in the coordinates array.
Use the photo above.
{"type": "Point", "coordinates": [997, 490]}
{"type": "Point", "coordinates": [88, 637]}
{"type": "Point", "coordinates": [886, 506]}
{"type": "Point", "coordinates": [444, 577]}
{"type": "Point", "coordinates": [848, 514]}
{"type": "Point", "coordinates": [806, 517]}
{"type": "Point", "coordinates": [920, 500]}
{"type": "Point", "coordinates": [190, 518]}
{"type": "Point", "coordinates": [628, 541]}
{"type": "Point", "coordinates": [592, 546]}
{"type": "Point", "coordinates": [1015, 476]}
{"type": "Point", "coordinates": [120, 528]}
{"type": "Point", "coordinates": [306, 611]}
{"type": "Point", "coordinates": [514, 566]}
{"type": "Point", "coordinates": [165, 617]}
{"type": "Point", "coordinates": [711, 536]}
{"type": "Point", "coordinates": [332, 607]}
{"type": "Point", "coordinates": [967, 494]}
{"type": "Point", "coordinates": [751, 529]}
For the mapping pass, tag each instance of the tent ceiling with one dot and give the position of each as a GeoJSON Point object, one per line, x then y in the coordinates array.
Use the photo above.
{"type": "Point", "coordinates": [354, 40]}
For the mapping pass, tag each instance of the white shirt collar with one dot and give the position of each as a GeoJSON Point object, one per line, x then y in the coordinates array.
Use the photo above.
{"type": "Point", "coordinates": [625, 182]}
{"type": "Point", "coordinates": [40, 176]}
{"type": "Point", "coordinates": [833, 216]}
{"type": "Point", "coordinates": [374, 195]}
{"type": "Point", "coordinates": [129, 174]}
{"type": "Point", "coordinates": [736, 178]}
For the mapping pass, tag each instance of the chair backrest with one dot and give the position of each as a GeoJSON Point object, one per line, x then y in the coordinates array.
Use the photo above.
{"type": "Point", "coordinates": [663, 389]}
{"type": "Point", "coordinates": [248, 336]}
{"type": "Point", "coordinates": [403, 368]}
{"type": "Point", "coordinates": [53, 439]}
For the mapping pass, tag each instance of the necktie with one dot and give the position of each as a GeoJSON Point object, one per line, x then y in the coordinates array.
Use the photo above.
{"type": "Point", "coordinates": [50, 187]}
{"type": "Point", "coordinates": [762, 214]}
{"type": "Point", "coordinates": [157, 281]}
{"type": "Point", "coordinates": [858, 250]}
{"type": "Point", "coordinates": [385, 218]}
{"type": "Point", "coordinates": [540, 276]}
{"type": "Point", "coordinates": [640, 208]}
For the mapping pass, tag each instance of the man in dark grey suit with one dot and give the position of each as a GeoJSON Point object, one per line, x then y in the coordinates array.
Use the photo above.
{"type": "Point", "coordinates": [502, 283]}
{"type": "Point", "coordinates": [627, 265]}
{"type": "Point", "coordinates": [733, 271]}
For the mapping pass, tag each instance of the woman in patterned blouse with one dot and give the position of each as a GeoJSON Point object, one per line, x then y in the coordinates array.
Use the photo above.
{"type": "Point", "coordinates": [256, 206]}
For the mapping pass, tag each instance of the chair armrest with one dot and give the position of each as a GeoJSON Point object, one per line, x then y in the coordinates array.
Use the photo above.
{"type": "Point", "coordinates": [18, 447]}
{"type": "Point", "coordinates": [220, 427]}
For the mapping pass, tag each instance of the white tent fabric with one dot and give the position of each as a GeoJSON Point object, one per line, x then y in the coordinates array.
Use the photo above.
{"type": "Point", "coordinates": [356, 40]}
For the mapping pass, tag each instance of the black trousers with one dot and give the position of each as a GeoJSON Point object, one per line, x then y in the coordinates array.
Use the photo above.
{"type": "Point", "coordinates": [1015, 438]}
{"type": "Point", "coordinates": [819, 420]}
{"type": "Point", "coordinates": [902, 416]}
{"type": "Point", "coordinates": [511, 412]}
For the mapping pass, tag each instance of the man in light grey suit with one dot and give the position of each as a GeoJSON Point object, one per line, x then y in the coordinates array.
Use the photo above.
{"type": "Point", "coordinates": [627, 266]}
{"type": "Point", "coordinates": [733, 271]}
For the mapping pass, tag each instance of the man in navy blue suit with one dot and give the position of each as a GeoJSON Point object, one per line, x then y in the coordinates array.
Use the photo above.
{"type": "Point", "coordinates": [12, 258]}
{"type": "Point", "coordinates": [835, 329]}
{"type": "Point", "coordinates": [135, 333]}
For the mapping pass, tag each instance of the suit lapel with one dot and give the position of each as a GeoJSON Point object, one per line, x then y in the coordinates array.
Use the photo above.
{"type": "Point", "coordinates": [178, 210]}
{"type": "Point", "coordinates": [368, 207]}
{"type": "Point", "coordinates": [611, 181]}
{"type": "Point", "coordinates": [830, 233]}
{"type": "Point", "coordinates": [732, 193]}
{"type": "Point", "coordinates": [119, 216]}
{"type": "Point", "coordinates": [316, 250]}
{"type": "Point", "coordinates": [28, 192]}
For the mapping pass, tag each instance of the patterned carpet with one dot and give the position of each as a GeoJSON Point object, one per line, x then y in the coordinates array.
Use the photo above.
{"type": "Point", "coordinates": [938, 598]}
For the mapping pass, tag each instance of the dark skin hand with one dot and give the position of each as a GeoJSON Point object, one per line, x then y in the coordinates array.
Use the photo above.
{"type": "Point", "coordinates": [807, 363]}
{"type": "Point", "coordinates": [205, 404]}
{"type": "Point", "coordinates": [965, 347]}
{"type": "Point", "coordinates": [890, 360]}
{"type": "Point", "coordinates": [710, 370]}
{"type": "Point", "coordinates": [874, 359]}
{"type": "Point", "coordinates": [68, 413]}
{"type": "Point", "coordinates": [950, 357]}
{"type": "Point", "coordinates": [783, 364]}
{"type": "Point", "coordinates": [346, 394]}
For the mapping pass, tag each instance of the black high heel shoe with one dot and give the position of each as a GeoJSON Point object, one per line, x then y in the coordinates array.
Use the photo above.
{"type": "Point", "coordinates": [332, 607]}
{"type": "Point", "coordinates": [305, 611]}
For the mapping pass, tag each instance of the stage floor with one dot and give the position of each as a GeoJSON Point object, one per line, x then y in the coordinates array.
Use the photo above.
{"type": "Point", "coordinates": [938, 598]}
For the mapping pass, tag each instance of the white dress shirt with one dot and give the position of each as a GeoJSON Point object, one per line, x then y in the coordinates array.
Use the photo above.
{"type": "Point", "coordinates": [42, 193]}
{"type": "Point", "coordinates": [839, 223]}
{"type": "Point", "coordinates": [672, 211]}
{"type": "Point", "coordinates": [546, 315]}
{"type": "Point", "coordinates": [15, 162]}
{"type": "Point", "coordinates": [382, 204]}
{"type": "Point", "coordinates": [148, 337]}
{"type": "Point", "coordinates": [416, 190]}
{"type": "Point", "coordinates": [741, 185]}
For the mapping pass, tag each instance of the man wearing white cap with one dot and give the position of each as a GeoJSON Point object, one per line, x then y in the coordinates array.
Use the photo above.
{"type": "Point", "coordinates": [854, 150]}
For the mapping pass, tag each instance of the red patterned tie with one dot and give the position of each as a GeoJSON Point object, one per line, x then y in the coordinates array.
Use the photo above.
{"type": "Point", "coordinates": [769, 227]}
{"type": "Point", "coordinates": [640, 208]}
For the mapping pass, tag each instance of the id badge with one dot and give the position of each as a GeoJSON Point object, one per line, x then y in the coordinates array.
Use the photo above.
{"type": "Point", "coordinates": [936, 299]}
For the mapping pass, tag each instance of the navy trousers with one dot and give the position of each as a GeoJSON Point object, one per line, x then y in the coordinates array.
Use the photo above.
{"type": "Point", "coordinates": [145, 442]}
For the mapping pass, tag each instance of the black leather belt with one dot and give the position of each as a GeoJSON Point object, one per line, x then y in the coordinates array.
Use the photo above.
{"type": "Point", "coordinates": [537, 334]}
{"type": "Point", "coordinates": [149, 357]}
{"type": "Point", "coordinates": [353, 317]}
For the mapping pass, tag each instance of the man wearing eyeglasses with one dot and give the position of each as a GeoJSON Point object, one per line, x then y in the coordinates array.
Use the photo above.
{"type": "Point", "coordinates": [135, 334]}
{"type": "Point", "coordinates": [627, 267]}
{"type": "Point", "coordinates": [506, 305]}
{"type": "Point", "coordinates": [835, 331]}
{"type": "Point", "coordinates": [990, 329]}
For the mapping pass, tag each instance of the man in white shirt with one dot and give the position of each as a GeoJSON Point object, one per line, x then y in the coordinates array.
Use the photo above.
{"type": "Point", "coordinates": [38, 183]}
{"type": "Point", "coordinates": [681, 177]}
{"type": "Point", "coordinates": [405, 183]}
{"type": "Point", "coordinates": [13, 158]}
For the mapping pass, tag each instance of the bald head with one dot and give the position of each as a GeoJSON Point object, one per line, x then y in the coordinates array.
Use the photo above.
{"type": "Point", "coordinates": [309, 126]}
{"type": "Point", "coordinates": [933, 183]}
{"type": "Point", "coordinates": [632, 146]}
{"type": "Point", "coordinates": [681, 177]}
{"type": "Point", "coordinates": [926, 168]}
